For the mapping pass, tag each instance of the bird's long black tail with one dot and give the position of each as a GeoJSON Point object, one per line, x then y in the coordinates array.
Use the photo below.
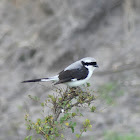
{"type": "Point", "coordinates": [54, 78]}
{"type": "Point", "coordinates": [36, 80]}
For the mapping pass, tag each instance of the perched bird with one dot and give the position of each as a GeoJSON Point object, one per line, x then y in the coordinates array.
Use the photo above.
{"type": "Point", "coordinates": [76, 74]}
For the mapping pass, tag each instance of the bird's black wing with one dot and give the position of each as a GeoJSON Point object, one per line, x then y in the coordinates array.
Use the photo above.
{"type": "Point", "coordinates": [68, 75]}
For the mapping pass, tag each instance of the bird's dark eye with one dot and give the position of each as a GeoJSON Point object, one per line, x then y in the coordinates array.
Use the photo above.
{"type": "Point", "coordinates": [83, 63]}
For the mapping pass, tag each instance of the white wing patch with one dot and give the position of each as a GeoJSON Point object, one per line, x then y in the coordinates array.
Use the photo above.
{"type": "Point", "coordinates": [74, 80]}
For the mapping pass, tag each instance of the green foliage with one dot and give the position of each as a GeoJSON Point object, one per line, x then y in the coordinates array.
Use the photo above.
{"type": "Point", "coordinates": [62, 103]}
{"type": "Point", "coordinates": [28, 138]}
{"type": "Point", "coordinates": [117, 136]}
{"type": "Point", "coordinates": [92, 108]}
{"type": "Point", "coordinates": [110, 91]}
{"type": "Point", "coordinates": [86, 126]}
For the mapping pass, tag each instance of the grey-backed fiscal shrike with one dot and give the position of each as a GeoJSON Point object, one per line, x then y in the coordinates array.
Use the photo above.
{"type": "Point", "coordinates": [76, 74]}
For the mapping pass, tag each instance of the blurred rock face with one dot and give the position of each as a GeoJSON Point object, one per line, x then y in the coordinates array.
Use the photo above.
{"type": "Point", "coordinates": [40, 38]}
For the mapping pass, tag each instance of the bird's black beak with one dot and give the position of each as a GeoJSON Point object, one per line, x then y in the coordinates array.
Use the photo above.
{"type": "Point", "coordinates": [96, 66]}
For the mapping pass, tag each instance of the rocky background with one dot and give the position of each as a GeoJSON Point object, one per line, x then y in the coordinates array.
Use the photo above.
{"type": "Point", "coordinates": [41, 37]}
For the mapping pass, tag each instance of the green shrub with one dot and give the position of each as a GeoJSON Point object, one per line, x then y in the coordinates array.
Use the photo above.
{"type": "Point", "coordinates": [62, 103]}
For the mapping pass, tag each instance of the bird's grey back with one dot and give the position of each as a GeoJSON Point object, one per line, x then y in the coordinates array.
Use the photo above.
{"type": "Point", "coordinates": [78, 63]}
{"type": "Point", "coordinates": [74, 65]}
